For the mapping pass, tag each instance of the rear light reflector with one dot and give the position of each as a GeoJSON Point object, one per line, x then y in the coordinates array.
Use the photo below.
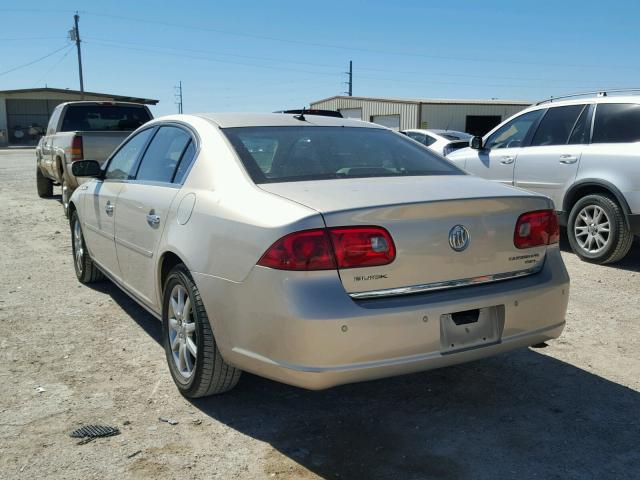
{"type": "Point", "coordinates": [537, 228]}
{"type": "Point", "coordinates": [328, 249]}
{"type": "Point", "coordinates": [76, 149]}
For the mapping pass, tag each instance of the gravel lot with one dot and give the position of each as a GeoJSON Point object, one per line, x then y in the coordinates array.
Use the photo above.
{"type": "Point", "coordinates": [571, 410]}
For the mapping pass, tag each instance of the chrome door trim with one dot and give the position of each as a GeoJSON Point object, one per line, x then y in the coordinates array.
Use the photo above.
{"type": "Point", "coordinates": [98, 231]}
{"type": "Point", "coordinates": [135, 248]}
{"type": "Point", "coordinates": [430, 287]}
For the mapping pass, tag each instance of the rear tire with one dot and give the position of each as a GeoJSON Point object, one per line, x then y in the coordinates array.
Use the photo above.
{"type": "Point", "coordinates": [597, 230]}
{"type": "Point", "coordinates": [44, 185]}
{"type": "Point", "coordinates": [86, 270]}
{"type": "Point", "coordinates": [186, 330]}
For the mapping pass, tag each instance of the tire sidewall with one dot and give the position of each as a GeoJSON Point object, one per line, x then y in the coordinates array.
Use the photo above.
{"type": "Point", "coordinates": [614, 231]}
{"type": "Point", "coordinates": [180, 275]}
{"type": "Point", "coordinates": [79, 274]}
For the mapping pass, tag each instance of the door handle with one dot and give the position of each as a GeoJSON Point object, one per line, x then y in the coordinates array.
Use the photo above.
{"type": "Point", "coordinates": [507, 159]}
{"type": "Point", "coordinates": [568, 159]}
{"type": "Point", "coordinates": [108, 208]}
{"type": "Point", "coordinates": [153, 219]}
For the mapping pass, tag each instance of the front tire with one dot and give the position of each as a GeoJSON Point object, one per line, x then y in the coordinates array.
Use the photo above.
{"type": "Point", "coordinates": [86, 270]}
{"type": "Point", "coordinates": [44, 185]}
{"type": "Point", "coordinates": [195, 363]}
{"type": "Point", "coordinates": [597, 230]}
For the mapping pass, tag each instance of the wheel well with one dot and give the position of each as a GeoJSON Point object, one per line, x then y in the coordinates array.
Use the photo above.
{"type": "Point", "coordinates": [169, 260]}
{"type": "Point", "coordinates": [72, 208]}
{"type": "Point", "coordinates": [591, 189]}
{"type": "Point", "coordinates": [60, 168]}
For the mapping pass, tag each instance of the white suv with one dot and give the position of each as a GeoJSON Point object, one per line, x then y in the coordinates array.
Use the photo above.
{"type": "Point", "coordinates": [584, 153]}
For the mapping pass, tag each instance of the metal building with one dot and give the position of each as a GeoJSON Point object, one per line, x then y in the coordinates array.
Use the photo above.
{"type": "Point", "coordinates": [473, 116]}
{"type": "Point", "coordinates": [24, 114]}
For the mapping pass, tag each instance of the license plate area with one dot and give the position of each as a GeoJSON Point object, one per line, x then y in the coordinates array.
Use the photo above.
{"type": "Point", "coordinates": [473, 328]}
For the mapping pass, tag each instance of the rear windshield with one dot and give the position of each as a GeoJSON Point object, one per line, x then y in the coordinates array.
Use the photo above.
{"type": "Point", "coordinates": [288, 154]}
{"type": "Point", "coordinates": [92, 118]}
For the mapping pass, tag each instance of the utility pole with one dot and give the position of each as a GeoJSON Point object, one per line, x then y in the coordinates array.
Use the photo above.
{"type": "Point", "coordinates": [178, 96]}
{"type": "Point", "coordinates": [74, 34]}
{"type": "Point", "coordinates": [350, 78]}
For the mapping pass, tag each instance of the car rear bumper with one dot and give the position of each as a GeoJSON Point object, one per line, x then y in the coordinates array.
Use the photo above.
{"type": "Point", "coordinates": [304, 330]}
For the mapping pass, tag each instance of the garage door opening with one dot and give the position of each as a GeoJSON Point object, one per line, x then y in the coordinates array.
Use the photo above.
{"type": "Point", "coordinates": [355, 113]}
{"type": "Point", "coordinates": [389, 121]}
{"type": "Point", "coordinates": [481, 124]}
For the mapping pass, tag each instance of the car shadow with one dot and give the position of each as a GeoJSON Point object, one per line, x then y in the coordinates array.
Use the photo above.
{"type": "Point", "coordinates": [519, 415]}
{"type": "Point", "coordinates": [631, 262]}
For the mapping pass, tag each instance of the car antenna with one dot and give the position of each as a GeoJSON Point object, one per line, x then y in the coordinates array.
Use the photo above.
{"type": "Point", "coordinates": [301, 116]}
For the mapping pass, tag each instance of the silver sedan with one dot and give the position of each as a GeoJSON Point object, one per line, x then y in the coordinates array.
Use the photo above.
{"type": "Point", "coordinates": [314, 251]}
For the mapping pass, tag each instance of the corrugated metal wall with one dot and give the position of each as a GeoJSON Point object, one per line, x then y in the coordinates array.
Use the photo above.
{"type": "Point", "coordinates": [408, 111]}
{"type": "Point", "coordinates": [453, 116]}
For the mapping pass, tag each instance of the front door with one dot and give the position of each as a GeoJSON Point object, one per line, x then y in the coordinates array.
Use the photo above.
{"type": "Point", "coordinates": [550, 162]}
{"type": "Point", "coordinates": [101, 203]}
{"type": "Point", "coordinates": [143, 211]}
{"type": "Point", "coordinates": [497, 159]}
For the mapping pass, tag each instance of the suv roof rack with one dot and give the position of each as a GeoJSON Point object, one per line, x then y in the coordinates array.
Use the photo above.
{"type": "Point", "coordinates": [598, 93]}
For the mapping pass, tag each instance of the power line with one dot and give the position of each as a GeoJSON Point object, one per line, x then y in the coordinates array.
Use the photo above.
{"type": "Point", "coordinates": [18, 67]}
{"type": "Point", "coordinates": [58, 62]}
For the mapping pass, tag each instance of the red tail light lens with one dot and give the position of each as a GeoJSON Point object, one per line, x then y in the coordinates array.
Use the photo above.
{"type": "Point", "coordinates": [76, 149]}
{"type": "Point", "coordinates": [306, 250]}
{"type": "Point", "coordinates": [362, 246]}
{"type": "Point", "coordinates": [327, 249]}
{"type": "Point", "coordinates": [536, 228]}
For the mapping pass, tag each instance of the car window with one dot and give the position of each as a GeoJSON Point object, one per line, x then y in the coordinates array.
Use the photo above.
{"type": "Point", "coordinates": [616, 123]}
{"type": "Point", "coordinates": [99, 117]}
{"type": "Point", "coordinates": [123, 161]}
{"type": "Point", "coordinates": [417, 136]}
{"type": "Point", "coordinates": [429, 140]}
{"type": "Point", "coordinates": [53, 121]}
{"type": "Point", "coordinates": [582, 128]}
{"type": "Point", "coordinates": [185, 163]}
{"type": "Point", "coordinates": [513, 133]}
{"type": "Point", "coordinates": [555, 127]}
{"type": "Point", "coordinates": [163, 154]}
{"type": "Point", "coordinates": [317, 153]}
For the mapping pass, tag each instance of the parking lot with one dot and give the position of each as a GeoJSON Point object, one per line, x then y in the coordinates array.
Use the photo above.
{"type": "Point", "coordinates": [73, 355]}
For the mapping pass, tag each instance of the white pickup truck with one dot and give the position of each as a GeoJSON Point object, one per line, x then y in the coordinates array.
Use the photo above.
{"type": "Point", "coordinates": [79, 131]}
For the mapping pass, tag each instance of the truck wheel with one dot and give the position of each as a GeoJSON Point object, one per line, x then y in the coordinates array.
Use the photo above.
{"type": "Point", "coordinates": [86, 270]}
{"type": "Point", "coordinates": [597, 230]}
{"type": "Point", "coordinates": [195, 363]}
{"type": "Point", "coordinates": [66, 195]}
{"type": "Point", "coordinates": [43, 184]}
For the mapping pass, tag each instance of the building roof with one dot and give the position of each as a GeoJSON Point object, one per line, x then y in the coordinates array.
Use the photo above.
{"type": "Point", "coordinates": [120, 98]}
{"type": "Point", "coordinates": [448, 101]}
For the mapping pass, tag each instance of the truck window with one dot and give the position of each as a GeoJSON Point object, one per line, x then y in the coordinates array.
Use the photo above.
{"type": "Point", "coordinates": [96, 118]}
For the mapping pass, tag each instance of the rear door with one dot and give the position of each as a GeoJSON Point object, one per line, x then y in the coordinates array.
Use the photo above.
{"type": "Point", "coordinates": [550, 162]}
{"type": "Point", "coordinates": [497, 159]}
{"type": "Point", "coordinates": [144, 204]}
{"type": "Point", "coordinates": [101, 203]}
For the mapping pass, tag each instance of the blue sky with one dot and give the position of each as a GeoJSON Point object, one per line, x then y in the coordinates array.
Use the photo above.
{"type": "Point", "coordinates": [267, 55]}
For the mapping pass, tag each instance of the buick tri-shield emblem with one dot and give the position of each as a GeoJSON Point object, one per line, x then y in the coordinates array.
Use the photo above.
{"type": "Point", "coordinates": [459, 238]}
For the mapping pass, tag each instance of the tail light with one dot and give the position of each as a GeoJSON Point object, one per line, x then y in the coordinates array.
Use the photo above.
{"type": "Point", "coordinates": [327, 249]}
{"type": "Point", "coordinates": [76, 149]}
{"type": "Point", "coordinates": [536, 228]}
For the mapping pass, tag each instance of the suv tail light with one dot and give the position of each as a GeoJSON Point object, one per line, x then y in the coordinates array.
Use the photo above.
{"type": "Point", "coordinates": [327, 249]}
{"type": "Point", "coordinates": [536, 228]}
{"type": "Point", "coordinates": [76, 149]}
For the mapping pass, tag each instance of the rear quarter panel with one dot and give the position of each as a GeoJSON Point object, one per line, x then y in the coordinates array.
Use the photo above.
{"type": "Point", "coordinates": [617, 164]}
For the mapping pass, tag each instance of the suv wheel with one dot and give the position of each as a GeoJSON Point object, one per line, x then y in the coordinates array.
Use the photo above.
{"type": "Point", "coordinates": [597, 230]}
{"type": "Point", "coordinates": [86, 270]}
{"type": "Point", "coordinates": [195, 363]}
{"type": "Point", "coordinates": [43, 184]}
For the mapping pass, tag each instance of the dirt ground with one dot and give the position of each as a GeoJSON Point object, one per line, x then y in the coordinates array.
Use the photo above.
{"type": "Point", "coordinates": [567, 411]}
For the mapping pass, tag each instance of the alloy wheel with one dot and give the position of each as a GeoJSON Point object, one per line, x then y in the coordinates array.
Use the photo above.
{"type": "Point", "coordinates": [592, 229]}
{"type": "Point", "coordinates": [78, 248]}
{"type": "Point", "coordinates": [182, 331]}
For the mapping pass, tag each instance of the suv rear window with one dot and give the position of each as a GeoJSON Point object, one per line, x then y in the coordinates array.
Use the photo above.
{"type": "Point", "coordinates": [616, 123]}
{"type": "Point", "coordinates": [94, 118]}
{"type": "Point", "coordinates": [286, 154]}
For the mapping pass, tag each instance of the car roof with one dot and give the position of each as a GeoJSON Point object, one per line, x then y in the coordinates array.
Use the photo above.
{"type": "Point", "coordinates": [438, 132]}
{"type": "Point", "coordinates": [582, 100]}
{"type": "Point", "coordinates": [232, 120]}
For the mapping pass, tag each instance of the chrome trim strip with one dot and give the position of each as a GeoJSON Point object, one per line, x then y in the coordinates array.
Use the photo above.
{"type": "Point", "coordinates": [429, 287]}
{"type": "Point", "coordinates": [98, 231]}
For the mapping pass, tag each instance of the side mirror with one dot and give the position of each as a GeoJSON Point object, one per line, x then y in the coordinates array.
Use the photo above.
{"type": "Point", "coordinates": [476, 143]}
{"type": "Point", "coordinates": [86, 168]}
